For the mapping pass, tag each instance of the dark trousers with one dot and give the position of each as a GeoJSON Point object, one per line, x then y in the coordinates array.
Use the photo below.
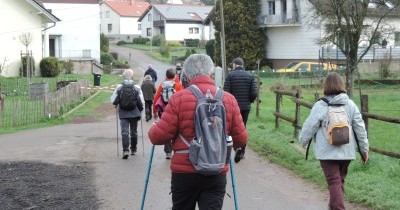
{"type": "Point", "coordinates": [335, 172]}
{"type": "Point", "coordinates": [148, 107]}
{"type": "Point", "coordinates": [207, 191]}
{"type": "Point", "coordinates": [129, 131]}
{"type": "Point", "coordinates": [245, 116]}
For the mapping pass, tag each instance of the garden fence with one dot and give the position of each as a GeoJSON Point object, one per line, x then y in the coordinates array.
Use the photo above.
{"type": "Point", "coordinates": [24, 111]}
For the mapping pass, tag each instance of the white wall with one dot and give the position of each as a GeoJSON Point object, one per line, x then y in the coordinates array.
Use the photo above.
{"type": "Point", "coordinates": [18, 17]}
{"type": "Point", "coordinates": [171, 30]}
{"type": "Point", "coordinates": [114, 19]}
{"type": "Point", "coordinates": [79, 28]}
{"type": "Point", "coordinates": [129, 25]}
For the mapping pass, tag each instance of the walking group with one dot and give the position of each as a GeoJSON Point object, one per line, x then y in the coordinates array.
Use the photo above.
{"type": "Point", "coordinates": [199, 124]}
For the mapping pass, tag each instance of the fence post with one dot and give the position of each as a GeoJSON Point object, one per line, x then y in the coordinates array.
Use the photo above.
{"type": "Point", "coordinates": [297, 117]}
{"type": "Point", "coordinates": [364, 108]}
{"type": "Point", "coordinates": [277, 109]}
{"type": "Point", "coordinates": [2, 96]}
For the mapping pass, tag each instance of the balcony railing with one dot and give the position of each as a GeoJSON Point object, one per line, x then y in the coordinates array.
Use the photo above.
{"type": "Point", "coordinates": [159, 23]}
{"type": "Point", "coordinates": [267, 20]}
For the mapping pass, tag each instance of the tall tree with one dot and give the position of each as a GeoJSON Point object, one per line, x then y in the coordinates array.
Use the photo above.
{"type": "Point", "coordinates": [350, 23]}
{"type": "Point", "coordinates": [243, 37]}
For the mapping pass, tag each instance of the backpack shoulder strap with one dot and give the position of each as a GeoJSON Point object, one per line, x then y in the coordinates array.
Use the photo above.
{"type": "Point", "coordinates": [196, 91]}
{"type": "Point", "coordinates": [219, 93]}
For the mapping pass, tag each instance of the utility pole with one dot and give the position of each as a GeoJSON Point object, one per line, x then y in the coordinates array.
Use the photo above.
{"type": "Point", "coordinates": [223, 56]}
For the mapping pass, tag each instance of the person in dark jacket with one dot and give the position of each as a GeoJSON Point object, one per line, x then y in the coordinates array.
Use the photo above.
{"type": "Point", "coordinates": [150, 71]}
{"type": "Point", "coordinates": [128, 118]}
{"type": "Point", "coordinates": [149, 90]}
{"type": "Point", "coordinates": [241, 84]}
{"type": "Point", "coordinates": [187, 186]}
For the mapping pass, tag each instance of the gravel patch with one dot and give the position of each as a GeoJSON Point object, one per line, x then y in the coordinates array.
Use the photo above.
{"type": "Point", "coordinates": [38, 185]}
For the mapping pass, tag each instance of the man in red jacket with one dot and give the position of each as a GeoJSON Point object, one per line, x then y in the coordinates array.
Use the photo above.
{"type": "Point", "coordinates": [189, 187]}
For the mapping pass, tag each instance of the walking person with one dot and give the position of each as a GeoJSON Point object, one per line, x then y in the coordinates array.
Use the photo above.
{"type": "Point", "coordinates": [164, 91]}
{"type": "Point", "coordinates": [150, 71]}
{"type": "Point", "coordinates": [148, 89]}
{"type": "Point", "coordinates": [188, 186]}
{"type": "Point", "coordinates": [242, 85]}
{"type": "Point", "coordinates": [128, 98]}
{"type": "Point", "coordinates": [335, 159]}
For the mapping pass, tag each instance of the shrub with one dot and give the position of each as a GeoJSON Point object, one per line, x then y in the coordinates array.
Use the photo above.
{"type": "Point", "coordinates": [68, 67]}
{"type": "Point", "coordinates": [49, 67]}
{"type": "Point", "coordinates": [174, 44]}
{"type": "Point", "coordinates": [114, 55]}
{"type": "Point", "coordinates": [192, 42]}
{"type": "Point", "coordinates": [23, 70]}
{"type": "Point", "coordinates": [210, 48]}
{"type": "Point", "coordinates": [107, 69]}
{"type": "Point", "coordinates": [104, 43]}
{"type": "Point", "coordinates": [120, 65]}
{"type": "Point", "coordinates": [158, 40]}
{"type": "Point", "coordinates": [122, 42]}
{"type": "Point", "coordinates": [106, 58]}
{"type": "Point", "coordinates": [140, 40]}
{"type": "Point", "coordinates": [164, 51]}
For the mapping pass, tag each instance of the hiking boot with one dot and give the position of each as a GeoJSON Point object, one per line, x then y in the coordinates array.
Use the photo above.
{"type": "Point", "coordinates": [125, 155]}
{"type": "Point", "coordinates": [239, 155]}
{"type": "Point", "coordinates": [168, 156]}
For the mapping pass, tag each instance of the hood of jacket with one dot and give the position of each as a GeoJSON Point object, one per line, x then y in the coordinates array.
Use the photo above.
{"type": "Point", "coordinates": [341, 98]}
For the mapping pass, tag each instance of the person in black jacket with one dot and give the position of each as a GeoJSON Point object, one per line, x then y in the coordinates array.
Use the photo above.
{"type": "Point", "coordinates": [150, 71]}
{"type": "Point", "coordinates": [241, 84]}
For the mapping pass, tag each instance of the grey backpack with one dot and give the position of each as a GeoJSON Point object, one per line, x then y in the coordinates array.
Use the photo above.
{"type": "Point", "coordinates": [210, 150]}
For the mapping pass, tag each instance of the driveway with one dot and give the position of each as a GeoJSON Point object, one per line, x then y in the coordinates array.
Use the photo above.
{"type": "Point", "coordinates": [76, 166]}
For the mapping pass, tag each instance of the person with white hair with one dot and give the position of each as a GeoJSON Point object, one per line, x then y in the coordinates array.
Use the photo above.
{"type": "Point", "coordinates": [189, 187]}
{"type": "Point", "coordinates": [128, 98]}
{"type": "Point", "coordinates": [150, 71]}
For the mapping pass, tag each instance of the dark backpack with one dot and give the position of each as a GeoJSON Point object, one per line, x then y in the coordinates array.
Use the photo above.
{"type": "Point", "coordinates": [168, 88]}
{"type": "Point", "coordinates": [127, 96]}
{"type": "Point", "coordinates": [210, 150]}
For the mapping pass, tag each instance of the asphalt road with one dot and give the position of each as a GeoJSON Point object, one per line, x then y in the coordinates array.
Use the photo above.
{"type": "Point", "coordinates": [119, 184]}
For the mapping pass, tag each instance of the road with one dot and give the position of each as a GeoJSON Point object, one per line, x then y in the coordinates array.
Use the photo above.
{"type": "Point", "coordinates": [119, 184]}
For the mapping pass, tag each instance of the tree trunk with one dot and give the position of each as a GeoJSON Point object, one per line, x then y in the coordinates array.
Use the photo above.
{"type": "Point", "coordinates": [349, 81]}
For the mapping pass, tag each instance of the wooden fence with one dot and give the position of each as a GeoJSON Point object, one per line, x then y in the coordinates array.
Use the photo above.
{"type": "Point", "coordinates": [296, 121]}
{"type": "Point", "coordinates": [24, 111]}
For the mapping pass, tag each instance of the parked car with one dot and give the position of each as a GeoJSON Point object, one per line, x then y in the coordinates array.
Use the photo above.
{"type": "Point", "coordinates": [299, 66]}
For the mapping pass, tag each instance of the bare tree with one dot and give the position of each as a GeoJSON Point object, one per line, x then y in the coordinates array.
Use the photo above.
{"type": "Point", "coordinates": [3, 65]}
{"type": "Point", "coordinates": [26, 39]}
{"type": "Point", "coordinates": [348, 24]}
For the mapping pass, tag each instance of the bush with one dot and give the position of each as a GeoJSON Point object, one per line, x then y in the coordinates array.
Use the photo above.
{"type": "Point", "coordinates": [140, 40]}
{"type": "Point", "coordinates": [49, 67]}
{"type": "Point", "coordinates": [114, 55]}
{"type": "Point", "coordinates": [164, 51]}
{"type": "Point", "coordinates": [23, 71]}
{"type": "Point", "coordinates": [104, 43]}
{"type": "Point", "coordinates": [67, 66]}
{"type": "Point", "coordinates": [122, 42]}
{"type": "Point", "coordinates": [210, 48]}
{"type": "Point", "coordinates": [158, 40]}
{"type": "Point", "coordinates": [106, 58]}
{"type": "Point", "coordinates": [120, 65]}
{"type": "Point", "coordinates": [174, 44]}
{"type": "Point", "coordinates": [192, 42]}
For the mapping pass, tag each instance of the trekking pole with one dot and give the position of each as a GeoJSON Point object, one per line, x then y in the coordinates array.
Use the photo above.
{"type": "Point", "coordinates": [116, 114]}
{"type": "Point", "coordinates": [141, 123]}
{"type": "Point", "coordinates": [147, 177]}
{"type": "Point", "coordinates": [233, 184]}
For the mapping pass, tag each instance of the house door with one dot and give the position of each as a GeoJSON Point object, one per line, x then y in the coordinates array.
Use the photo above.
{"type": "Point", "coordinates": [284, 11]}
{"type": "Point", "coordinates": [52, 47]}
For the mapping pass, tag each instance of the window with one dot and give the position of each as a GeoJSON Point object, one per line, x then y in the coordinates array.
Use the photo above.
{"type": "Point", "coordinates": [271, 7]}
{"type": "Point", "coordinates": [397, 38]}
{"type": "Point", "coordinates": [149, 17]}
{"type": "Point", "coordinates": [317, 67]}
{"type": "Point", "coordinates": [107, 14]}
{"type": "Point", "coordinates": [139, 27]}
{"type": "Point", "coordinates": [148, 31]}
{"type": "Point", "coordinates": [302, 67]}
{"type": "Point", "coordinates": [109, 26]}
{"type": "Point", "coordinates": [193, 30]}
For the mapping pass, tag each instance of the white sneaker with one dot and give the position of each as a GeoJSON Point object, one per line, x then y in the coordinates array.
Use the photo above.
{"type": "Point", "coordinates": [168, 156]}
{"type": "Point", "coordinates": [125, 155]}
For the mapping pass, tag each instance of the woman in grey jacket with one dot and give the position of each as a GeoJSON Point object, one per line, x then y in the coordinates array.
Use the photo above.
{"type": "Point", "coordinates": [335, 160]}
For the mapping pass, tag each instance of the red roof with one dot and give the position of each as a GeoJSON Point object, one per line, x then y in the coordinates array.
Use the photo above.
{"type": "Point", "coordinates": [134, 9]}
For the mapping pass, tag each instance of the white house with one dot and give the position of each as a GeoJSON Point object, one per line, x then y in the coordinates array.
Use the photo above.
{"type": "Point", "coordinates": [22, 17]}
{"type": "Point", "coordinates": [289, 37]}
{"type": "Point", "coordinates": [119, 19]}
{"type": "Point", "coordinates": [176, 22]}
{"type": "Point", "coordinates": [77, 36]}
